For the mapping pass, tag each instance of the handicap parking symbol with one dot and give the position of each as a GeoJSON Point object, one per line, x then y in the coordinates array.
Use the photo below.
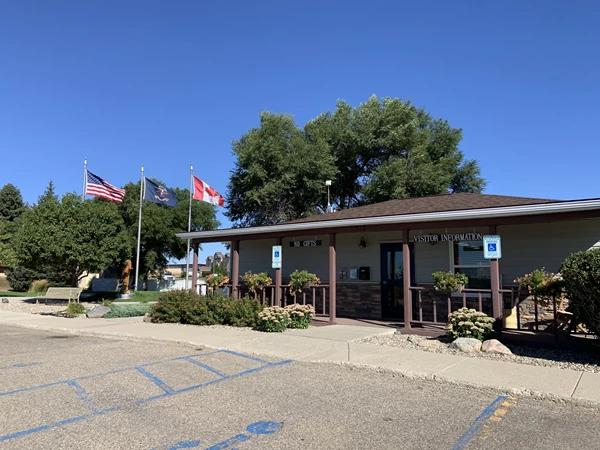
{"type": "Point", "coordinates": [276, 254]}
{"type": "Point", "coordinates": [491, 247]}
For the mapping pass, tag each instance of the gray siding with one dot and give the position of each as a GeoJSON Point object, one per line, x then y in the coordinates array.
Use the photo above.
{"type": "Point", "coordinates": [524, 248]}
{"type": "Point", "coordinates": [256, 256]}
{"type": "Point", "coordinates": [529, 247]}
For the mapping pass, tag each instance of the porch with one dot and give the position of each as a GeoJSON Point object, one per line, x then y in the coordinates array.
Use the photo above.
{"type": "Point", "coordinates": [396, 246]}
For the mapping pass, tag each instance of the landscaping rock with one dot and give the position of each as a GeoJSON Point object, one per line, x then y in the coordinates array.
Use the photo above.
{"type": "Point", "coordinates": [429, 343]}
{"type": "Point", "coordinates": [4, 300]}
{"type": "Point", "coordinates": [495, 346]}
{"type": "Point", "coordinates": [147, 318]}
{"type": "Point", "coordinates": [467, 345]}
{"type": "Point", "coordinates": [97, 312]}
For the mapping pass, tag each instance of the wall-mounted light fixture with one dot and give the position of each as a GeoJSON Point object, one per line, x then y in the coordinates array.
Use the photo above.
{"type": "Point", "coordinates": [362, 243]}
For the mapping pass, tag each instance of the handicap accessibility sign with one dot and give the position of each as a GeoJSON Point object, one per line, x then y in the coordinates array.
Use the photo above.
{"type": "Point", "coordinates": [276, 257]}
{"type": "Point", "coordinates": [491, 247]}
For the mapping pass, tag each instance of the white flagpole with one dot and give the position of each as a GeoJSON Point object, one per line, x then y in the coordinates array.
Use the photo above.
{"type": "Point", "coordinates": [187, 259]}
{"type": "Point", "coordinates": [84, 179]}
{"type": "Point", "coordinates": [137, 261]}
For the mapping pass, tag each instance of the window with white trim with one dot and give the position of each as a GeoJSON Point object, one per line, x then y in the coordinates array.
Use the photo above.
{"type": "Point", "coordinates": [467, 258]}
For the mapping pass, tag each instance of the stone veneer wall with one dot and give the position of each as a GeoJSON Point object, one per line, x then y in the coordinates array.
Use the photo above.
{"type": "Point", "coordinates": [359, 300]}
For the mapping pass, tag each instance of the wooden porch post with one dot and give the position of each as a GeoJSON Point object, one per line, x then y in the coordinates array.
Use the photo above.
{"type": "Point", "coordinates": [495, 281]}
{"type": "Point", "coordinates": [406, 278]}
{"type": "Point", "coordinates": [195, 268]}
{"type": "Point", "coordinates": [235, 268]}
{"type": "Point", "coordinates": [277, 299]}
{"type": "Point", "coordinates": [332, 279]}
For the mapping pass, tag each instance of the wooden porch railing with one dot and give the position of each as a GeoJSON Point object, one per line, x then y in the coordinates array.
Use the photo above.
{"type": "Point", "coordinates": [429, 306]}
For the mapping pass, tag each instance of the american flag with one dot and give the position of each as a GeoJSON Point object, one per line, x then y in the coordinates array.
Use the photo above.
{"type": "Point", "coordinates": [98, 187]}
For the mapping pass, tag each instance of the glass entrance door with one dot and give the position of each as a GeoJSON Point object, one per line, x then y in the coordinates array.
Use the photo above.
{"type": "Point", "coordinates": [392, 281]}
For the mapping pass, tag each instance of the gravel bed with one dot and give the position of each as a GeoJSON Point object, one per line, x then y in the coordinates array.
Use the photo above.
{"type": "Point", "coordinates": [563, 359]}
{"type": "Point", "coordinates": [32, 308]}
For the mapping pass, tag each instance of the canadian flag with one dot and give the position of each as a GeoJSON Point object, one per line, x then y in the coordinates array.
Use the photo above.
{"type": "Point", "coordinates": [205, 193]}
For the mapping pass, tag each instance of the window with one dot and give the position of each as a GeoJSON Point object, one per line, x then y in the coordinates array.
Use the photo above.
{"type": "Point", "coordinates": [467, 258]}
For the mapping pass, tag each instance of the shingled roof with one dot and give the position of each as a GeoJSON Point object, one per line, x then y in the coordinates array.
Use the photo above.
{"type": "Point", "coordinates": [430, 204]}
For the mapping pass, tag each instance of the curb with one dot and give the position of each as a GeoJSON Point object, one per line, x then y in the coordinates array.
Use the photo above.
{"type": "Point", "coordinates": [515, 392]}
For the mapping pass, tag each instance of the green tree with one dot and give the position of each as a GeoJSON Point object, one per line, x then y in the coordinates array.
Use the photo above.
{"type": "Point", "coordinates": [279, 173]}
{"type": "Point", "coordinates": [11, 202]}
{"type": "Point", "coordinates": [12, 208]}
{"type": "Point", "coordinates": [160, 223]}
{"type": "Point", "coordinates": [72, 237]}
{"type": "Point", "coordinates": [49, 194]}
{"type": "Point", "coordinates": [388, 149]}
{"type": "Point", "coordinates": [7, 254]}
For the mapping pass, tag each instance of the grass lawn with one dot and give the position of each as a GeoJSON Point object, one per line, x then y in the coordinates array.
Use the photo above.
{"type": "Point", "coordinates": [17, 294]}
{"type": "Point", "coordinates": [141, 296]}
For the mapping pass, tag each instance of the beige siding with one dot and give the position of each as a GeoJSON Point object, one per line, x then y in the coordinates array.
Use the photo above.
{"type": "Point", "coordinates": [524, 248]}
{"type": "Point", "coordinates": [528, 247]}
{"type": "Point", "coordinates": [256, 256]}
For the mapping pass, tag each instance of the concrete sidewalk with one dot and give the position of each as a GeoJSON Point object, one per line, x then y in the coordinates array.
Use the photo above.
{"type": "Point", "coordinates": [337, 344]}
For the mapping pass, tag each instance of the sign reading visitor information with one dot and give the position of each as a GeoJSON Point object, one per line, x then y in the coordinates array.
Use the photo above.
{"type": "Point", "coordinates": [491, 247]}
{"type": "Point", "coordinates": [448, 237]}
{"type": "Point", "coordinates": [308, 243]}
{"type": "Point", "coordinates": [276, 257]}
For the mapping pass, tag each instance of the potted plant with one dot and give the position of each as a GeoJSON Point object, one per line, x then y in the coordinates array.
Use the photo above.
{"type": "Point", "coordinates": [216, 280]}
{"type": "Point", "coordinates": [301, 279]}
{"type": "Point", "coordinates": [445, 281]}
{"type": "Point", "coordinates": [257, 281]}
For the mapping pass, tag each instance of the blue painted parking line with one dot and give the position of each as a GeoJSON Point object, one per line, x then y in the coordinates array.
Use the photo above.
{"type": "Point", "coordinates": [468, 436]}
{"type": "Point", "coordinates": [256, 428]}
{"type": "Point", "coordinates": [241, 355]}
{"type": "Point", "coordinates": [20, 365]}
{"type": "Point", "coordinates": [157, 381]}
{"type": "Point", "coordinates": [84, 396]}
{"type": "Point", "coordinates": [206, 366]}
{"type": "Point", "coordinates": [88, 400]}
{"type": "Point", "coordinates": [253, 428]}
{"type": "Point", "coordinates": [185, 444]}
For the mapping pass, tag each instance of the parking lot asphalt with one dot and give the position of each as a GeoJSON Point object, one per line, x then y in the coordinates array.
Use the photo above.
{"type": "Point", "coordinates": [63, 391]}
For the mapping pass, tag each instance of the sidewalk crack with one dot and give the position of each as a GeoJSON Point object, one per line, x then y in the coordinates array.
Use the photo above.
{"type": "Point", "coordinates": [577, 384]}
{"type": "Point", "coordinates": [452, 365]}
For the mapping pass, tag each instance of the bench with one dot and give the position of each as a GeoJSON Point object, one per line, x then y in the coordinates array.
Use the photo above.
{"type": "Point", "coordinates": [62, 293]}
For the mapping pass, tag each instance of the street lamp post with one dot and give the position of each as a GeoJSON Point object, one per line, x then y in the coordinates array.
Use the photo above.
{"type": "Point", "coordinates": [328, 183]}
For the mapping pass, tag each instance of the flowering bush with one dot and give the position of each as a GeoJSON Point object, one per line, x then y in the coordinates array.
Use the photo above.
{"type": "Point", "coordinates": [215, 280]}
{"type": "Point", "coordinates": [257, 281]}
{"type": "Point", "coordinates": [449, 282]}
{"type": "Point", "coordinates": [470, 323]}
{"type": "Point", "coordinates": [300, 315]}
{"type": "Point", "coordinates": [542, 283]}
{"type": "Point", "coordinates": [273, 319]}
{"type": "Point", "coordinates": [299, 277]}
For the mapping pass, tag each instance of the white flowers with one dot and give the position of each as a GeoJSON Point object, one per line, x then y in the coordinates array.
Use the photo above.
{"type": "Point", "coordinates": [278, 319]}
{"type": "Point", "coordinates": [469, 322]}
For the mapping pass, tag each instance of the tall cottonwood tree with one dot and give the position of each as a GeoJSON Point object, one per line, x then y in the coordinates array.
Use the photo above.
{"type": "Point", "coordinates": [388, 149]}
{"type": "Point", "coordinates": [279, 174]}
{"type": "Point", "coordinates": [380, 150]}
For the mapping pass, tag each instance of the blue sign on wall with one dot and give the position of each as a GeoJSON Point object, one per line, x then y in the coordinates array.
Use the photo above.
{"type": "Point", "coordinates": [492, 248]}
{"type": "Point", "coordinates": [276, 257]}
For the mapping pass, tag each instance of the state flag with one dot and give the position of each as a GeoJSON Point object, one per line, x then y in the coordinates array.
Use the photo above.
{"type": "Point", "coordinates": [156, 193]}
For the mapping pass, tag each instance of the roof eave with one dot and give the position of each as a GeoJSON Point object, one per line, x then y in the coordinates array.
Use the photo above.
{"type": "Point", "coordinates": [480, 213]}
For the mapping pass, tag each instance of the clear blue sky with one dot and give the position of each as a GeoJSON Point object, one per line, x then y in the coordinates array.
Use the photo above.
{"type": "Point", "coordinates": [168, 83]}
